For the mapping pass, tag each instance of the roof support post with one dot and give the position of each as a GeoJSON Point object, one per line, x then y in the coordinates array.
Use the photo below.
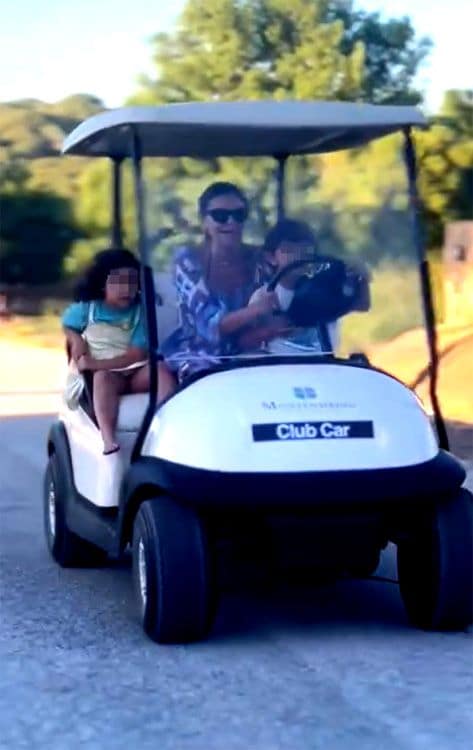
{"type": "Point", "coordinates": [147, 291]}
{"type": "Point", "coordinates": [117, 227]}
{"type": "Point", "coordinates": [281, 185]}
{"type": "Point", "coordinates": [426, 289]}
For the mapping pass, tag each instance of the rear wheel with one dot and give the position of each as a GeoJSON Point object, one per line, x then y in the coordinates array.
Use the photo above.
{"type": "Point", "coordinates": [172, 573]}
{"type": "Point", "coordinates": [65, 547]}
{"type": "Point", "coordinates": [435, 566]}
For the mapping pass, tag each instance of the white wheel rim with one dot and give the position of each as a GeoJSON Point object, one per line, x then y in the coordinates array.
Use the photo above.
{"type": "Point", "coordinates": [142, 573]}
{"type": "Point", "coordinates": [52, 509]}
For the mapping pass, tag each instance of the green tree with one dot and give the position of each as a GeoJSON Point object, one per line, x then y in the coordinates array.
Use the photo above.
{"type": "Point", "coordinates": [255, 49]}
{"type": "Point", "coordinates": [446, 165]}
{"type": "Point", "coordinates": [230, 49]}
{"type": "Point", "coordinates": [35, 236]}
{"type": "Point", "coordinates": [37, 187]}
{"type": "Point", "coordinates": [308, 49]}
{"type": "Point", "coordinates": [14, 175]}
{"type": "Point", "coordinates": [392, 52]}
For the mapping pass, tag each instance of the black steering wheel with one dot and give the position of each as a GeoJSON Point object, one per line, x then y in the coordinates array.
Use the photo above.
{"type": "Point", "coordinates": [325, 294]}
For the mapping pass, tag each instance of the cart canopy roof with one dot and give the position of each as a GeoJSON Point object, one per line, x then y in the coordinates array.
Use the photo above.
{"type": "Point", "coordinates": [252, 128]}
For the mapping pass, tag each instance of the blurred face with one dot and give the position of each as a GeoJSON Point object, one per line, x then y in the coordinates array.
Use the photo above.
{"type": "Point", "coordinates": [289, 252]}
{"type": "Point", "coordinates": [223, 221]}
{"type": "Point", "coordinates": [121, 287]}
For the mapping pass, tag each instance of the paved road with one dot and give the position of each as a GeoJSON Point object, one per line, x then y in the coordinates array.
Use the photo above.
{"type": "Point", "coordinates": [336, 668]}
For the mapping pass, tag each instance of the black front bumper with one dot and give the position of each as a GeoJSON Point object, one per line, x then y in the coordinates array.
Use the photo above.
{"type": "Point", "coordinates": [439, 477]}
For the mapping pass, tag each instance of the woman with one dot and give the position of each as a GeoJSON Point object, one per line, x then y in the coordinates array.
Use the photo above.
{"type": "Point", "coordinates": [214, 284]}
{"type": "Point", "coordinates": [105, 330]}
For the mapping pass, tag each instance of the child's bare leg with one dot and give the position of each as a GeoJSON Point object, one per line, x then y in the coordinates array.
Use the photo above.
{"type": "Point", "coordinates": [166, 383]}
{"type": "Point", "coordinates": [108, 387]}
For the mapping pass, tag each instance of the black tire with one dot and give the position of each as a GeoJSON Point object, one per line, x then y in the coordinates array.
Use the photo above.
{"type": "Point", "coordinates": [170, 543]}
{"type": "Point", "coordinates": [435, 566]}
{"type": "Point", "coordinates": [66, 548]}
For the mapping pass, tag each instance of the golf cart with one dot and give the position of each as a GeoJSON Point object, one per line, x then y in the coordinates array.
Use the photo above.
{"type": "Point", "coordinates": [309, 449]}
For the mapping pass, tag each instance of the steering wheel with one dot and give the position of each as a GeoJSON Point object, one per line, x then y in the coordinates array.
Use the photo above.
{"type": "Point", "coordinates": [325, 295]}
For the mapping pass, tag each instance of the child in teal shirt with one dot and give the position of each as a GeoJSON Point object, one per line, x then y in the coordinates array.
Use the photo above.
{"type": "Point", "coordinates": [106, 333]}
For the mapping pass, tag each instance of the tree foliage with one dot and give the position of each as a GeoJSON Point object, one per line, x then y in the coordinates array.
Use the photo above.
{"type": "Point", "coordinates": [446, 164]}
{"type": "Point", "coordinates": [33, 129]}
{"type": "Point", "coordinates": [306, 49]}
{"type": "Point", "coordinates": [392, 52]}
{"type": "Point", "coordinates": [38, 187]}
{"type": "Point", "coordinates": [35, 236]}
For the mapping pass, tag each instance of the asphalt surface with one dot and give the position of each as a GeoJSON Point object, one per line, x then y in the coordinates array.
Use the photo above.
{"type": "Point", "coordinates": [333, 668]}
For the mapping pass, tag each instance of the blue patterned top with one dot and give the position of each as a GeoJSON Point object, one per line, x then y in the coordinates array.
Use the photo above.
{"type": "Point", "coordinates": [198, 343]}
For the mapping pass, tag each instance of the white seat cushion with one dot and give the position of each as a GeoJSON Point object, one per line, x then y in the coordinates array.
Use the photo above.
{"type": "Point", "coordinates": [131, 412]}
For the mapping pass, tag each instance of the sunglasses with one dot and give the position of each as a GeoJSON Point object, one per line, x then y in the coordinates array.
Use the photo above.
{"type": "Point", "coordinates": [223, 215]}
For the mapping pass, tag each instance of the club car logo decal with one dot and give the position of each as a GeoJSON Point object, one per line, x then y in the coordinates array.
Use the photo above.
{"type": "Point", "coordinates": [312, 431]}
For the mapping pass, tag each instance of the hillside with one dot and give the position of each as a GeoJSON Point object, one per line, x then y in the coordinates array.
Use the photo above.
{"type": "Point", "coordinates": [33, 131]}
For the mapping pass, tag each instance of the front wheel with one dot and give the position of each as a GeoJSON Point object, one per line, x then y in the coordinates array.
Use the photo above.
{"type": "Point", "coordinates": [172, 573]}
{"type": "Point", "coordinates": [435, 566]}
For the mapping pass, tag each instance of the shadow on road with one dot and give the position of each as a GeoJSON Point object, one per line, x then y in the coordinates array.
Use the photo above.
{"type": "Point", "coordinates": [249, 606]}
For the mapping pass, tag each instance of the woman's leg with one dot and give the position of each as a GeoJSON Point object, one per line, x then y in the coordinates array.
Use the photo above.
{"type": "Point", "coordinates": [139, 382]}
{"type": "Point", "coordinates": [108, 387]}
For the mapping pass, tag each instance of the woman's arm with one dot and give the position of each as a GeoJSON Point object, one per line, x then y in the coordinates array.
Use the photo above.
{"type": "Point", "coordinates": [234, 321]}
{"type": "Point", "coordinates": [196, 302]}
{"type": "Point", "coordinates": [255, 336]}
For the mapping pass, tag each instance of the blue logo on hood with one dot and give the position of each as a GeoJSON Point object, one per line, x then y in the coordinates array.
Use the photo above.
{"type": "Point", "coordinates": [304, 393]}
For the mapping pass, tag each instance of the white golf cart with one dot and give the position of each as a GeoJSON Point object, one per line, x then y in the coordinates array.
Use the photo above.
{"type": "Point", "coordinates": [307, 447]}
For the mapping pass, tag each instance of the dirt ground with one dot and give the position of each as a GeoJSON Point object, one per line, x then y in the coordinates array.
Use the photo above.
{"type": "Point", "coordinates": [406, 357]}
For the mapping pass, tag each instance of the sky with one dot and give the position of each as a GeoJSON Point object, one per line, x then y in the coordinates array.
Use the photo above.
{"type": "Point", "coordinates": [50, 49]}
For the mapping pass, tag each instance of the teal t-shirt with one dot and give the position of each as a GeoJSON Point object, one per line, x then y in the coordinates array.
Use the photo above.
{"type": "Point", "coordinates": [76, 316]}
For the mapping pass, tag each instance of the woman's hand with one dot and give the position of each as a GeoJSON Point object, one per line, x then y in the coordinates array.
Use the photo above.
{"type": "Point", "coordinates": [267, 302]}
{"type": "Point", "coordinates": [280, 325]}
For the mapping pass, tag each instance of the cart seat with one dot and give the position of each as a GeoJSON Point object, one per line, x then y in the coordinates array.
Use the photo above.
{"type": "Point", "coordinates": [131, 412]}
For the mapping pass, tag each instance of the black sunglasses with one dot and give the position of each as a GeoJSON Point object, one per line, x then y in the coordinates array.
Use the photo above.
{"type": "Point", "coordinates": [222, 215]}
